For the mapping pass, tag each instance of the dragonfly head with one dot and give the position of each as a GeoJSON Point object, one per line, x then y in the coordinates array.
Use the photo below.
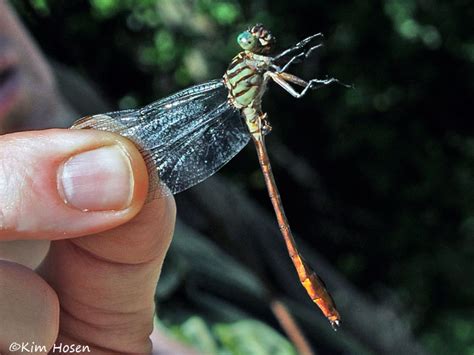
{"type": "Point", "coordinates": [256, 39]}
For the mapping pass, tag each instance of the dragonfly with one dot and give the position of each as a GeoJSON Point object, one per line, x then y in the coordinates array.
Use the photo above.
{"type": "Point", "coordinates": [188, 136]}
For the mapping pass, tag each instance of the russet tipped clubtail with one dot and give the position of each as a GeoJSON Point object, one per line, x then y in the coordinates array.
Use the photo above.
{"type": "Point", "coordinates": [186, 137]}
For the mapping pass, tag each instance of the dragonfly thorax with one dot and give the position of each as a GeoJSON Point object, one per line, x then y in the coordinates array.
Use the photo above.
{"type": "Point", "coordinates": [246, 81]}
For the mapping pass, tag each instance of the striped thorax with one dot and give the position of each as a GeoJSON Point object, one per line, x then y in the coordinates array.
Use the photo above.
{"type": "Point", "coordinates": [245, 78]}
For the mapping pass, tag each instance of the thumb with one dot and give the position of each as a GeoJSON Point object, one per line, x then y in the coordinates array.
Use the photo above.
{"type": "Point", "coordinates": [67, 183]}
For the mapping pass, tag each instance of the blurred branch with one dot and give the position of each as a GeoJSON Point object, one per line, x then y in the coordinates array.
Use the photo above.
{"type": "Point", "coordinates": [292, 329]}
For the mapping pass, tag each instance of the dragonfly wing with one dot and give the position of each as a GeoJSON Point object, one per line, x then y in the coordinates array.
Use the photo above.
{"type": "Point", "coordinates": [197, 156]}
{"type": "Point", "coordinates": [186, 137]}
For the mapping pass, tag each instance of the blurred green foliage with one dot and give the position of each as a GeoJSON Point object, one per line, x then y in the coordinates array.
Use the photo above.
{"type": "Point", "coordinates": [396, 155]}
{"type": "Point", "coordinates": [239, 338]}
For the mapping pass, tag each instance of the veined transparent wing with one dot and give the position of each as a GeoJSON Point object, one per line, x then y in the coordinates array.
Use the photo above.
{"type": "Point", "coordinates": [185, 137]}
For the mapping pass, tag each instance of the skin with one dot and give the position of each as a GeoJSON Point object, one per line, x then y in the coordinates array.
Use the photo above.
{"type": "Point", "coordinates": [71, 275]}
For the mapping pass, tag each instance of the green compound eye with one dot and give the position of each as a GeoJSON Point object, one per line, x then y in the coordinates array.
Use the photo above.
{"type": "Point", "coordinates": [246, 40]}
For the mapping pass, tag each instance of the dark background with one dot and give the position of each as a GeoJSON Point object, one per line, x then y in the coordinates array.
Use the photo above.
{"type": "Point", "coordinates": [378, 179]}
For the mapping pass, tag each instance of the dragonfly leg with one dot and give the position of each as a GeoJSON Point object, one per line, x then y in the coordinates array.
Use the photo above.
{"type": "Point", "coordinates": [303, 55]}
{"type": "Point", "coordinates": [284, 80]}
{"type": "Point", "coordinates": [293, 79]}
{"type": "Point", "coordinates": [265, 124]}
{"type": "Point", "coordinates": [298, 46]}
{"type": "Point", "coordinates": [277, 78]}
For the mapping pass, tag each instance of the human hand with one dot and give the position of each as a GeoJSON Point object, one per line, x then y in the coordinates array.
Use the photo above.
{"type": "Point", "coordinates": [84, 190]}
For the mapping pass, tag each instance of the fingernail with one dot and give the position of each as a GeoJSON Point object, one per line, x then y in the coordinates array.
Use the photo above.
{"type": "Point", "coordinates": [97, 180]}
